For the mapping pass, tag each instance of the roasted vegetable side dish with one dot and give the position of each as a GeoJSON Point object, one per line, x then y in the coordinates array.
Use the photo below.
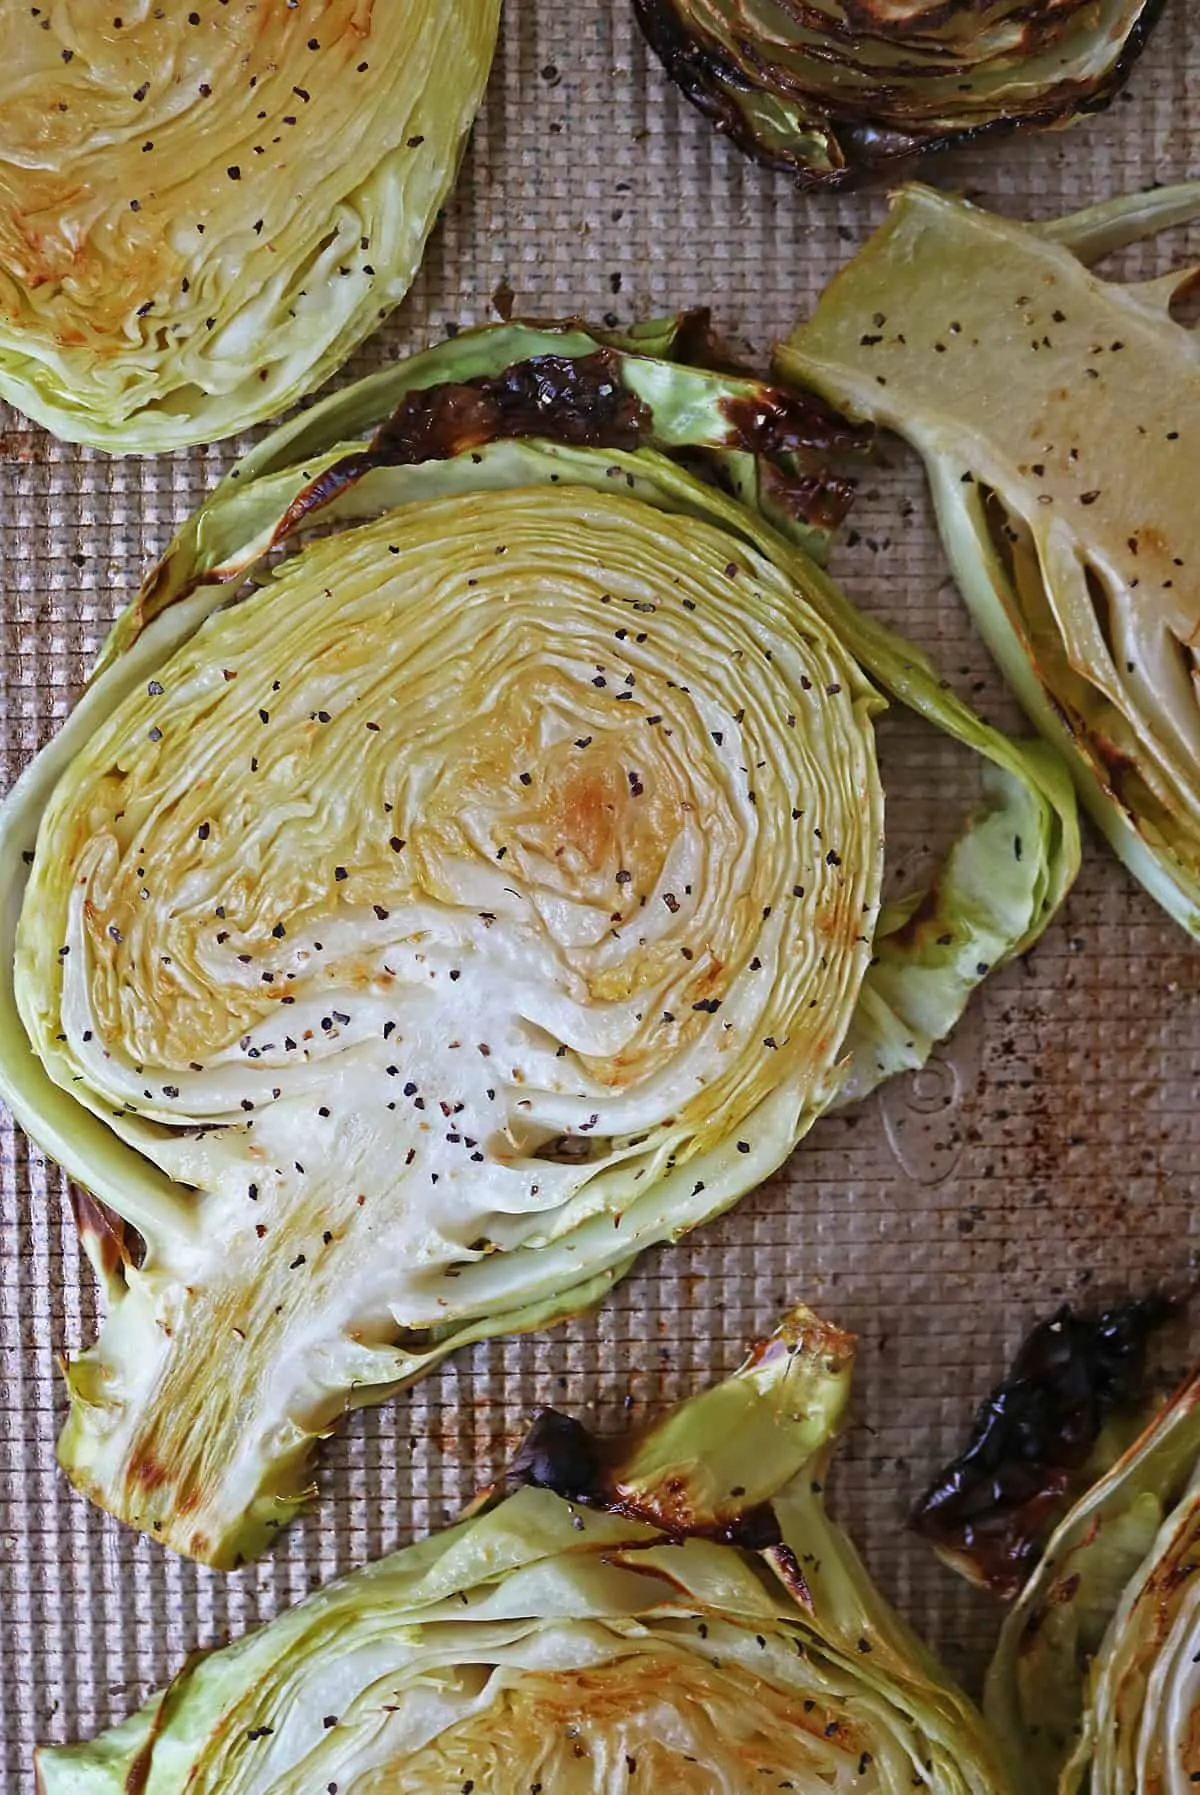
{"type": "Point", "coordinates": [1094, 1683]}
{"type": "Point", "coordinates": [1073, 1400]}
{"type": "Point", "coordinates": [205, 207]}
{"type": "Point", "coordinates": [1094, 1688]}
{"type": "Point", "coordinates": [398, 943]}
{"type": "Point", "coordinates": [1058, 415]}
{"type": "Point", "coordinates": [672, 1612]}
{"type": "Point", "coordinates": [833, 90]}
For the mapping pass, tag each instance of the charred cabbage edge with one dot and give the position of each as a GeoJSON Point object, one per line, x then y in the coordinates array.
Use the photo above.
{"type": "Point", "coordinates": [294, 1216]}
{"type": "Point", "coordinates": [579, 1645]}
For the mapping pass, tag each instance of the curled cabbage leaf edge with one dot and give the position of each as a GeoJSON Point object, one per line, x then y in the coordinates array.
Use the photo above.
{"type": "Point", "coordinates": [677, 1609]}
{"type": "Point", "coordinates": [210, 1455]}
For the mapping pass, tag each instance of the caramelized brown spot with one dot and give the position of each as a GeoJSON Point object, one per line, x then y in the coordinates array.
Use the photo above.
{"type": "Point", "coordinates": [577, 400]}
{"type": "Point", "coordinates": [146, 1472]}
{"type": "Point", "coordinates": [115, 1243]}
{"type": "Point", "coordinates": [778, 422]}
{"type": "Point", "coordinates": [588, 807]}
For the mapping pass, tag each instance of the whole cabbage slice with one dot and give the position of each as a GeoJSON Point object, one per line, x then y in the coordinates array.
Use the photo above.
{"type": "Point", "coordinates": [1057, 414]}
{"type": "Point", "coordinates": [396, 946]}
{"type": "Point", "coordinates": [672, 1612]}
{"type": "Point", "coordinates": [204, 210]}
{"type": "Point", "coordinates": [1094, 1685]}
{"type": "Point", "coordinates": [832, 90]}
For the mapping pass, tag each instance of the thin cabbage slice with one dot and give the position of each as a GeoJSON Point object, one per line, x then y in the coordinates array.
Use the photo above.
{"type": "Point", "coordinates": [833, 90]}
{"type": "Point", "coordinates": [1094, 1685]}
{"type": "Point", "coordinates": [485, 894]}
{"type": "Point", "coordinates": [1056, 414]}
{"type": "Point", "coordinates": [203, 214]}
{"type": "Point", "coordinates": [676, 1611]}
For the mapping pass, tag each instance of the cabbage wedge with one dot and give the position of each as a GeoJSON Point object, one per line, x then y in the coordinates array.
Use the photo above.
{"type": "Point", "coordinates": [1094, 1685]}
{"type": "Point", "coordinates": [832, 90]}
{"type": "Point", "coordinates": [488, 893]}
{"type": "Point", "coordinates": [674, 1612]}
{"type": "Point", "coordinates": [204, 210]}
{"type": "Point", "coordinates": [1057, 414]}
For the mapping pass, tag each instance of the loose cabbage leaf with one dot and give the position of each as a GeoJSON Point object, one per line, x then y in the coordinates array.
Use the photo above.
{"type": "Point", "coordinates": [676, 1611]}
{"type": "Point", "coordinates": [832, 90]}
{"type": "Point", "coordinates": [486, 893]}
{"type": "Point", "coordinates": [1093, 1686]}
{"type": "Point", "coordinates": [1057, 416]}
{"type": "Point", "coordinates": [202, 214]}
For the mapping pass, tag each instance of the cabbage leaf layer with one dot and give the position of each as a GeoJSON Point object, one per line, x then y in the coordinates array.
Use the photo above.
{"type": "Point", "coordinates": [489, 892]}
{"type": "Point", "coordinates": [673, 1612]}
{"type": "Point", "coordinates": [1058, 415]}
{"type": "Point", "coordinates": [203, 211]}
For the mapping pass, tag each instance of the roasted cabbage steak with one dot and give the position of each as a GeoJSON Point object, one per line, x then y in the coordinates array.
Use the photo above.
{"type": "Point", "coordinates": [1058, 415]}
{"type": "Point", "coordinates": [832, 90]}
{"type": "Point", "coordinates": [675, 1612]}
{"type": "Point", "coordinates": [204, 208]}
{"type": "Point", "coordinates": [399, 940]}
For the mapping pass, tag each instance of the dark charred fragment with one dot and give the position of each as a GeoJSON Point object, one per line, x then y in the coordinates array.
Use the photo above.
{"type": "Point", "coordinates": [698, 71]}
{"type": "Point", "coordinates": [559, 1454]}
{"type": "Point", "coordinates": [582, 402]}
{"type": "Point", "coordinates": [822, 500]}
{"type": "Point", "coordinates": [576, 400]}
{"type": "Point", "coordinates": [113, 1241]}
{"type": "Point", "coordinates": [572, 399]}
{"type": "Point", "coordinates": [873, 130]}
{"type": "Point", "coordinates": [778, 422]}
{"type": "Point", "coordinates": [788, 1567]}
{"type": "Point", "coordinates": [698, 345]}
{"type": "Point", "coordinates": [1032, 1440]}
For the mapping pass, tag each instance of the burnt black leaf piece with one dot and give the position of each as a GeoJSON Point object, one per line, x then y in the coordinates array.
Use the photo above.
{"type": "Point", "coordinates": [1073, 1396]}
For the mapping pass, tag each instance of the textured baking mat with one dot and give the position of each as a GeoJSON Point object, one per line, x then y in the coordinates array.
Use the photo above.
{"type": "Point", "coordinates": [1047, 1154]}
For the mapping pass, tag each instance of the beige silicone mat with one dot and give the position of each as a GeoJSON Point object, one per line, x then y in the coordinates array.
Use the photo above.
{"type": "Point", "coordinates": [1048, 1153]}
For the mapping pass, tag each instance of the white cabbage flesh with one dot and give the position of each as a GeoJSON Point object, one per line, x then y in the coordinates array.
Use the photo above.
{"type": "Point", "coordinates": [487, 894]}
{"type": "Point", "coordinates": [544, 1645]}
{"type": "Point", "coordinates": [204, 209]}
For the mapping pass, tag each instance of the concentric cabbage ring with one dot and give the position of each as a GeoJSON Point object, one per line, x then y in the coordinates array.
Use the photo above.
{"type": "Point", "coordinates": [686, 1618]}
{"type": "Point", "coordinates": [204, 209]}
{"type": "Point", "coordinates": [833, 90]}
{"type": "Point", "coordinates": [491, 893]}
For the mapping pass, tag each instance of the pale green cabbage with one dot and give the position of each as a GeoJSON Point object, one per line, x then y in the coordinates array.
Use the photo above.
{"type": "Point", "coordinates": [202, 212]}
{"type": "Point", "coordinates": [1057, 414]}
{"type": "Point", "coordinates": [678, 1613]}
{"type": "Point", "coordinates": [1095, 1686]}
{"type": "Point", "coordinates": [834, 90]}
{"type": "Point", "coordinates": [489, 893]}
